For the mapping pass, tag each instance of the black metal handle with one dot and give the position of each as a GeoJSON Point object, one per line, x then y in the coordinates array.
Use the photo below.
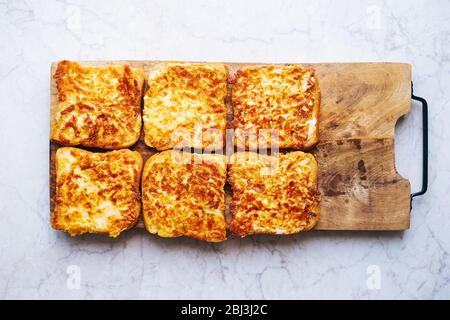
{"type": "Point", "coordinates": [424, 145]}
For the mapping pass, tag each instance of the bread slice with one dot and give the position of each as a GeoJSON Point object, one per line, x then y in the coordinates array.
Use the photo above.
{"type": "Point", "coordinates": [183, 195]}
{"type": "Point", "coordinates": [273, 194]}
{"type": "Point", "coordinates": [185, 105]}
{"type": "Point", "coordinates": [96, 192]}
{"type": "Point", "coordinates": [279, 105]}
{"type": "Point", "coordinates": [97, 107]}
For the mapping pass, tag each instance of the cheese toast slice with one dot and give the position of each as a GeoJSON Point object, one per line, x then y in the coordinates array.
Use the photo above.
{"type": "Point", "coordinates": [97, 107]}
{"type": "Point", "coordinates": [276, 106]}
{"type": "Point", "coordinates": [273, 194]}
{"type": "Point", "coordinates": [96, 192]}
{"type": "Point", "coordinates": [185, 106]}
{"type": "Point", "coordinates": [183, 195]}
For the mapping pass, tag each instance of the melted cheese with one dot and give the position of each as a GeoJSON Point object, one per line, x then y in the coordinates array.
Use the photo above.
{"type": "Point", "coordinates": [273, 195]}
{"type": "Point", "coordinates": [96, 192]}
{"type": "Point", "coordinates": [183, 195]}
{"type": "Point", "coordinates": [97, 107]}
{"type": "Point", "coordinates": [185, 106]}
{"type": "Point", "coordinates": [281, 98]}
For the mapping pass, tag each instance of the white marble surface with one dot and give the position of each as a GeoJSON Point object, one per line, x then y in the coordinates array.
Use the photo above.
{"type": "Point", "coordinates": [35, 260]}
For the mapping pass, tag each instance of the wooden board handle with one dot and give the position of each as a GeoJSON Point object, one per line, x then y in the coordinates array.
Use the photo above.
{"type": "Point", "coordinates": [424, 102]}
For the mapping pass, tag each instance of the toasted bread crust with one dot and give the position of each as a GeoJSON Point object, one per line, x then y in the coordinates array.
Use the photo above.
{"type": "Point", "coordinates": [284, 99]}
{"type": "Point", "coordinates": [183, 195]}
{"type": "Point", "coordinates": [273, 195]}
{"type": "Point", "coordinates": [97, 107]}
{"type": "Point", "coordinates": [185, 105]}
{"type": "Point", "coordinates": [96, 192]}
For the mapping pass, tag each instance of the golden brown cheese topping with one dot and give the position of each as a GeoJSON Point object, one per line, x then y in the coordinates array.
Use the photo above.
{"type": "Point", "coordinates": [96, 192]}
{"type": "Point", "coordinates": [183, 195]}
{"type": "Point", "coordinates": [97, 107]}
{"type": "Point", "coordinates": [273, 195]}
{"type": "Point", "coordinates": [185, 106]}
{"type": "Point", "coordinates": [284, 98]}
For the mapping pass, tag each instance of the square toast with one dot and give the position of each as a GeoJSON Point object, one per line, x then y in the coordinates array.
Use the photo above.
{"type": "Point", "coordinates": [185, 106]}
{"type": "Point", "coordinates": [276, 106]}
{"type": "Point", "coordinates": [273, 194]}
{"type": "Point", "coordinates": [97, 106]}
{"type": "Point", "coordinates": [183, 195]}
{"type": "Point", "coordinates": [96, 192]}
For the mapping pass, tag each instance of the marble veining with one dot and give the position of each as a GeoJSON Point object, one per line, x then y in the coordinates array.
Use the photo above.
{"type": "Point", "coordinates": [37, 262]}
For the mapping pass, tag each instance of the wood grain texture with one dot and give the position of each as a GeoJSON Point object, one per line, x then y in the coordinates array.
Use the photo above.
{"type": "Point", "coordinates": [361, 103]}
{"type": "Point", "coordinates": [360, 188]}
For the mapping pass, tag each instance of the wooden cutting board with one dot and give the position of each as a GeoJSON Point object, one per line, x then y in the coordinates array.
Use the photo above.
{"type": "Point", "coordinates": [359, 184]}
